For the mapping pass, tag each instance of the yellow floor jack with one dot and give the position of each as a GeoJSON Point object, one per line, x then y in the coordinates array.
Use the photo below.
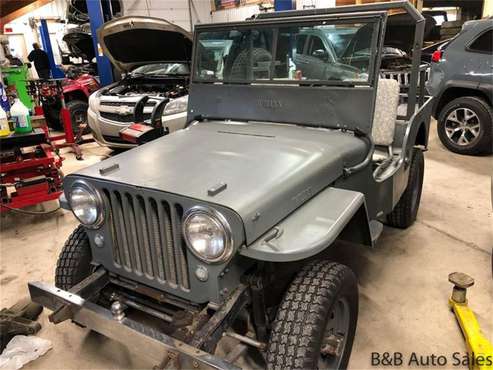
{"type": "Point", "coordinates": [479, 348]}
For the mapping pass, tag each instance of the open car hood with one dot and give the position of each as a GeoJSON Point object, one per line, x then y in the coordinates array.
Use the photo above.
{"type": "Point", "coordinates": [133, 41]}
{"type": "Point", "coordinates": [79, 42]}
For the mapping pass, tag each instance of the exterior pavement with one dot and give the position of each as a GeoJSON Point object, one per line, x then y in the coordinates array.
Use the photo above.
{"type": "Point", "coordinates": [403, 281]}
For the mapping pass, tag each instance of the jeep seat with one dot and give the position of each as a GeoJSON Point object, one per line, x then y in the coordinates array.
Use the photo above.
{"type": "Point", "coordinates": [384, 118]}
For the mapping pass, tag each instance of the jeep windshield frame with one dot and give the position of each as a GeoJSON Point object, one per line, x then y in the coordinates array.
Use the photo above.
{"type": "Point", "coordinates": [398, 6]}
{"type": "Point", "coordinates": [333, 104]}
{"type": "Point", "coordinates": [221, 45]}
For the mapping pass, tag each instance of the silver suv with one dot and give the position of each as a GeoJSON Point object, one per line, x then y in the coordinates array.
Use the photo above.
{"type": "Point", "coordinates": [461, 81]}
{"type": "Point", "coordinates": [154, 55]}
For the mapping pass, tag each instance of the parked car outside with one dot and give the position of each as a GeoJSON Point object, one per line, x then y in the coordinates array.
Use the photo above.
{"type": "Point", "coordinates": [154, 56]}
{"type": "Point", "coordinates": [462, 84]}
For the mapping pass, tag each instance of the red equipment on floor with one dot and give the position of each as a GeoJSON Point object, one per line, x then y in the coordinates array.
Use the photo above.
{"type": "Point", "coordinates": [69, 140]}
{"type": "Point", "coordinates": [30, 170]}
{"type": "Point", "coordinates": [41, 89]}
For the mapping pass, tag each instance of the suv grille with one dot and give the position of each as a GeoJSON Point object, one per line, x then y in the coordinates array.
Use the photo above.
{"type": "Point", "coordinates": [147, 238]}
{"type": "Point", "coordinates": [150, 103]}
{"type": "Point", "coordinates": [123, 118]}
{"type": "Point", "coordinates": [127, 118]}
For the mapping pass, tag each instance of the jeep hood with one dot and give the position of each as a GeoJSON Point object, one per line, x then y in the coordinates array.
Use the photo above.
{"type": "Point", "coordinates": [133, 41]}
{"type": "Point", "coordinates": [269, 169]}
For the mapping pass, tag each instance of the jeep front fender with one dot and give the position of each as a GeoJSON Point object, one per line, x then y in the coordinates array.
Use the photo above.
{"type": "Point", "coordinates": [314, 227]}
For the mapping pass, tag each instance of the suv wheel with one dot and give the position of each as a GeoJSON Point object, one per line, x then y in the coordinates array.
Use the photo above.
{"type": "Point", "coordinates": [316, 321]}
{"type": "Point", "coordinates": [74, 261]}
{"type": "Point", "coordinates": [465, 126]}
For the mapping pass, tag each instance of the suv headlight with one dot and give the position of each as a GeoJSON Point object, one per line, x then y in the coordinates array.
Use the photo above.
{"type": "Point", "coordinates": [208, 234]}
{"type": "Point", "coordinates": [86, 204]}
{"type": "Point", "coordinates": [177, 105]}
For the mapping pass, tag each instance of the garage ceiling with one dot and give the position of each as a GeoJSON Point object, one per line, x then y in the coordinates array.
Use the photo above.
{"type": "Point", "coordinates": [12, 9]}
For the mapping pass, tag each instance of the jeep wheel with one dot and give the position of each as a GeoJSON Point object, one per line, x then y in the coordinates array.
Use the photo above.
{"type": "Point", "coordinates": [316, 321]}
{"type": "Point", "coordinates": [404, 213]}
{"type": "Point", "coordinates": [74, 262]}
{"type": "Point", "coordinates": [465, 126]}
{"type": "Point", "coordinates": [78, 116]}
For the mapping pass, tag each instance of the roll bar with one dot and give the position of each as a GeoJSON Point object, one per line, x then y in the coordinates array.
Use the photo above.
{"type": "Point", "coordinates": [403, 4]}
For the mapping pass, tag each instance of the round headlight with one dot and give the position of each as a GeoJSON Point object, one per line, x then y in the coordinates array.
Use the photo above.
{"type": "Point", "coordinates": [86, 204]}
{"type": "Point", "coordinates": [208, 235]}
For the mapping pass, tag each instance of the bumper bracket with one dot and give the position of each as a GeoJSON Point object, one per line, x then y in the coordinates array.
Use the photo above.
{"type": "Point", "coordinates": [141, 338]}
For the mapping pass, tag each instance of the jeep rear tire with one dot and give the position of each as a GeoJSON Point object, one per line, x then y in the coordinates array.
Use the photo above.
{"type": "Point", "coordinates": [465, 126]}
{"type": "Point", "coordinates": [404, 213]}
{"type": "Point", "coordinates": [316, 321]}
{"type": "Point", "coordinates": [74, 262]}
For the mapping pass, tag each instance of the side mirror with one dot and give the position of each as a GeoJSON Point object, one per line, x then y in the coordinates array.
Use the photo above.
{"type": "Point", "coordinates": [321, 54]}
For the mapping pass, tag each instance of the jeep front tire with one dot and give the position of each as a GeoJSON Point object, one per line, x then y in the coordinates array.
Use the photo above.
{"type": "Point", "coordinates": [316, 321]}
{"type": "Point", "coordinates": [74, 261]}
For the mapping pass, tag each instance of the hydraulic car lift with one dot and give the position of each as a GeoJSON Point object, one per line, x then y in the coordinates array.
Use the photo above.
{"type": "Point", "coordinates": [29, 170]}
{"type": "Point", "coordinates": [479, 348]}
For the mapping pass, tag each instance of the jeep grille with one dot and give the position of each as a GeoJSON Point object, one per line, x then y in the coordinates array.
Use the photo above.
{"type": "Point", "coordinates": [147, 238]}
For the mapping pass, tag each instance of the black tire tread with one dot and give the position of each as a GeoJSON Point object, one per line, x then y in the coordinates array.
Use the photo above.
{"type": "Point", "coordinates": [73, 105]}
{"type": "Point", "coordinates": [301, 316]}
{"type": "Point", "coordinates": [74, 261]}
{"type": "Point", "coordinates": [403, 216]}
{"type": "Point", "coordinates": [485, 144]}
{"type": "Point", "coordinates": [239, 66]}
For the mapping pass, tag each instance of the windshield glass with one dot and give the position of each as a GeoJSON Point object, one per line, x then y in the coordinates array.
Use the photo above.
{"type": "Point", "coordinates": [312, 52]}
{"type": "Point", "coordinates": [162, 69]}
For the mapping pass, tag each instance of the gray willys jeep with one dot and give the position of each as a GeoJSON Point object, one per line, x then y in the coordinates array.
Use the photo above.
{"type": "Point", "coordinates": [224, 228]}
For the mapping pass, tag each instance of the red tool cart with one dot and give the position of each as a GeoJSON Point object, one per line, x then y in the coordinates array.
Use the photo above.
{"type": "Point", "coordinates": [30, 170]}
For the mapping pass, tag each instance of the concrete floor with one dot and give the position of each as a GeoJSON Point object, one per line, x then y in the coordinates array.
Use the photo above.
{"type": "Point", "coordinates": [403, 281]}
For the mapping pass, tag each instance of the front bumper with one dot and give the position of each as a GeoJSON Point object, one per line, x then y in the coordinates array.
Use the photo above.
{"type": "Point", "coordinates": [140, 338]}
